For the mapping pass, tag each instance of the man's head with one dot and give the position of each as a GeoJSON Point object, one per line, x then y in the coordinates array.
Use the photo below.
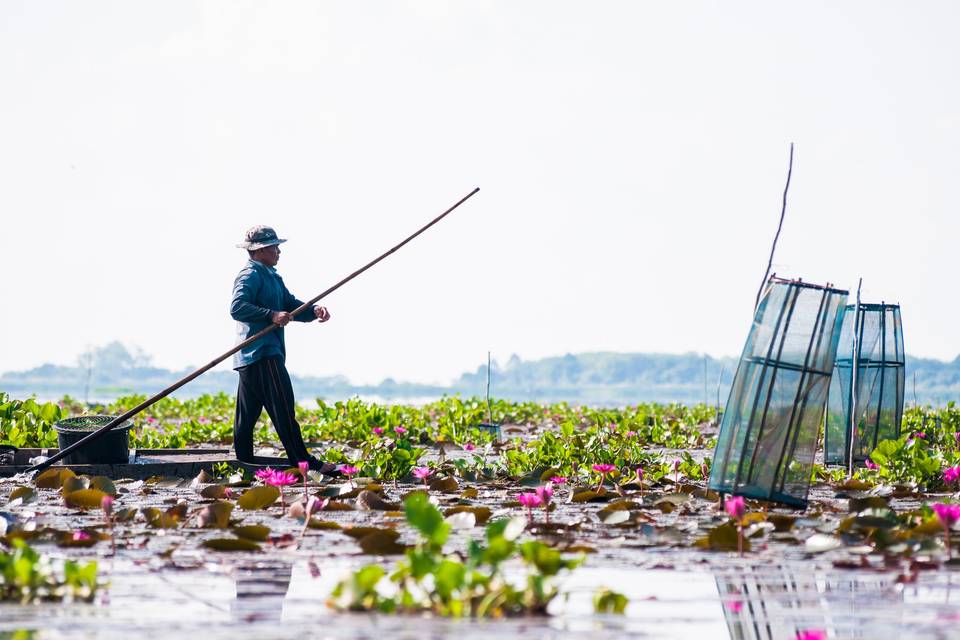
{"type": "Point", "coordinates": [262, 244]}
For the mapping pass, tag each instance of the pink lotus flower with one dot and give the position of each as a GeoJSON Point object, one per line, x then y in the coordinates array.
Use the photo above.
{"type": "Point", "coordinates": [630, 434]}
{"type": "Point", "coordinates": [203, 420]}
{"type": "Point", "coordinates": [736, 506]}
{"type": "Point", "coordinates": [263, 475]}
{"type": "Point", "coordinates": [399, 430]}
{"type": "Point", "coordinates": [558, 480]}
{"type": "Point", "coordinates": [378, 431]}
{"type": "Point", "coordinates": [920, 434]}
{"type": "Point", "coordinates": [545, 493]}
{"type": "Point", "coordinates": [873, 466]}
{"type": "Point", "coordinates": [349, 471]}
{"type": "Point", "coordinates": [422, 473]}
{"type": "Point", "coordinates": [469, 446]}
{"type": "Point", "coordinates": [282, 479]}
{"type": "Point", "coordinates": [603, 470]}
{"type": "Point", "coordinates": [948, 514]}
{"type": "Point", "coordinates": [80, 536]}
{"type": "Point", "coordinates": [279, 479]}
{"type": "Point", "coordinates": [951, 474]}
{"type": "Point", "coordinates": [812, 634]}
{"type": "Point", "coordinates": [530, 500]}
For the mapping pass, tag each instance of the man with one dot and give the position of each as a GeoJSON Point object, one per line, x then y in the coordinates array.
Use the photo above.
{"type": "Point", "coordinates": [259, 299]}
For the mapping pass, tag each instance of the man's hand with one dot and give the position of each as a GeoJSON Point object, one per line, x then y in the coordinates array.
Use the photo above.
{"type": "Point", "coordinates": [281, 318]}
{"type": "Point", "coordinates": [321, 313]}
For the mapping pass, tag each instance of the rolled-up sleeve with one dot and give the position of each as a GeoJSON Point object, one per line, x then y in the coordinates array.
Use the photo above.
{"type": "Point", "coordinates": [243, 308]}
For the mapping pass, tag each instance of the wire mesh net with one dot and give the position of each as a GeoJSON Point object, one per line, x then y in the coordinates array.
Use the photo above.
{"type": "Point", "coordinates": [880, 379]}
{"type": "Point", "coordinates": [771, 425]}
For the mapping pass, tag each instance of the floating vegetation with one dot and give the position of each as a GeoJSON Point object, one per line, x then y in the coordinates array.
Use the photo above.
{"type": "Point", "coordinates": [28, 577]}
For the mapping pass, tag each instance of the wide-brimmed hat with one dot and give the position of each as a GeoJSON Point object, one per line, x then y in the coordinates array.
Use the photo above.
{"type": "Point", "coordinates": [259, 237]}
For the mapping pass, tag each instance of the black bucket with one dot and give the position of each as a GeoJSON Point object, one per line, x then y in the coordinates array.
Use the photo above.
{"type": "Point", "coordinates": [112, 447]}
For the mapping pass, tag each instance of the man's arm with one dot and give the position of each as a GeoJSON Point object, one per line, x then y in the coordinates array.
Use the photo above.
{"type": "Point", "coordinates": [243, 308]}
{"type": "Point", "coordinates": [290, 303]}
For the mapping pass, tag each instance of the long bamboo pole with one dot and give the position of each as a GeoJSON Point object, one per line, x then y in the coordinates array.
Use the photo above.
{"type": "Point", "coordinates": [306, 305]}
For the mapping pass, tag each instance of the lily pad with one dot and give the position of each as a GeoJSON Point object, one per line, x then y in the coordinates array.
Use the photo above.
{"type": "Point", "coordinates": [258, 498]}
{"type": "Point", "coordinates": [819, 543]}
{"type": "Point", "coordinates": [231, 544]}
{"type": "Point", "coordinates": [337, 505]}
{"type": "Point", "coordinates": [589, 495]}
{"type": "Point", "coordinates": [481, 514]}
{"type": "Point", "coordinates": [381, 543]}
{"type": "Point", "coordinates": [214, 492]}
{"type": "Point", "coordinates": [461, 520]}
{"type": "Point", "coordinates": [722, 538]}
{"type": "Point", "coordinates": [75, 483]}
{"type": "Point", "coordinates": [362, 532]}
{"type": "Point", "coordinates": [615, 517]}
{"type": "Point", "coordinates": [215, 516]}
{"type": "Point", "coordinates": [24, 494]}
{"type": "Point", "coordinates": [85, 498]}
{"type": "Point", "coordinates": [373, 501]}
{"type": "Point", "coordinates": [448, 484]}
{"type": "Point", "coordinates": [72, 541]}
{"type": "Point", "coordinates": [103, 483]}
{"type": "Point", "coordinates": [256, 532]}
{"type": "Point", "coordinates": [326, 525]}
{"type": "Point", "coordinates": [53, 478]}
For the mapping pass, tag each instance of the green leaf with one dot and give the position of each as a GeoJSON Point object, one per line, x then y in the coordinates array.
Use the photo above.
{"type": "Point", "coordinates": [85, 499]}
{"type": "Point", "coordinates": [25, 494]}
{"type": "Point", "coordinates": [427, 519]}
{"type": "Point", "coordinates": [258, 498]}
{"type": "Point", "coordinates": [215, 516]}
{"type": "Point", "coordinates": [607, 601]}
{"type": "Point", "coordinates": [449, 577]}
{"type": "Point", "coordinates": [722, 538]}
{"type": "Point", "coordinates": [231, 544]}
{"type": "Point", "coordinates": [104, 484]}
{"type": "Point", "coordinates": [53, 478]}
{"type": "Point", "coordinates": [256, 532]}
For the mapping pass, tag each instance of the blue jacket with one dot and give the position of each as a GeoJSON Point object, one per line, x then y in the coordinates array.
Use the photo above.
{"type": "Point", "coordinates": [258, 291]}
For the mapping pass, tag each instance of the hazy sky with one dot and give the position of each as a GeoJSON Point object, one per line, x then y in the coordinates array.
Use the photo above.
{"type": "Point", "coordinates": [631, 159]}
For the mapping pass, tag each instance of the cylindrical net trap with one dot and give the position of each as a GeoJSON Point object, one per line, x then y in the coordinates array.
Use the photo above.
{"type": "Point", "coordinates": [772, 420]}
{"type": "Point", "coordinates": [878, 398]}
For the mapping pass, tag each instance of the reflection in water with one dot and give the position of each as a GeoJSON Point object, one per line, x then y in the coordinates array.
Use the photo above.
{"type": "Point", "coordinates": [774, 602]}
{"type": "Point", "coordinates": [261, 589]}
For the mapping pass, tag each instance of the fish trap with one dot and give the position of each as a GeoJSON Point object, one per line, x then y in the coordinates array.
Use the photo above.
{"type": "Point", "coordinates": [771, 424]}
{"type": "Point", "coordinates": [871, 344]}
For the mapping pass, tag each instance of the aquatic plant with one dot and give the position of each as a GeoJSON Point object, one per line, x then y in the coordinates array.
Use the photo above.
{"type": "Point", "coordinates": [545, 493]}
{"type": "Point", "coordinates": [28, 577]}
{"type": "Point", "coordinates": [736, 506]}
{"type": "Point", "coordinates": [348, 470]}
{"type": "Point", "coordinates": [603, 470]}
{"type": "Point", "coordinates": [948, 514]}
{"type": "Point", "coordinates": [530, 500]}
{"type": "Point", "coordinates": [422, 473]}
{"type": "Point", "coordinates": [427, 580]}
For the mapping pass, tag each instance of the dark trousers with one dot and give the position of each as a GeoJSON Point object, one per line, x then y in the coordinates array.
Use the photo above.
{"type": "Point", "coordinates": [266, 384]}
